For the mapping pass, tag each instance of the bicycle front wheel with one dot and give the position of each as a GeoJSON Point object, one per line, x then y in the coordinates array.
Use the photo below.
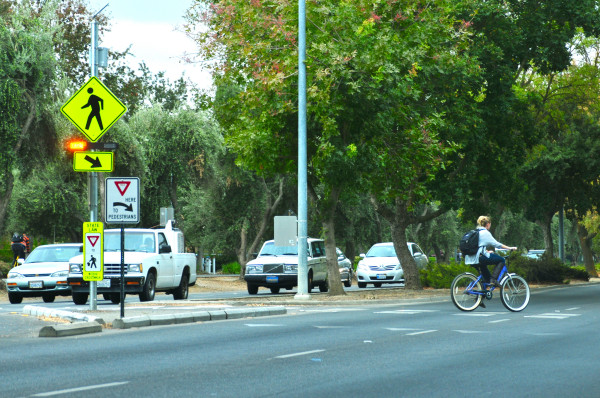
{"type": "Point", "coordinates": [515, 293]}
{"type": "Point", "coordinates": [461, 291]}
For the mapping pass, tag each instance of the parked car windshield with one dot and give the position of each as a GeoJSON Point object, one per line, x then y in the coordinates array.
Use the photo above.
{"type": "Point", "coordinates": [382, 251]}
{"type": "Point", "coordinates": [134, 241]}
{"type": "Point", "coordinates": [269, 249]}
{"type": "Point", "coordinates": [52, 254]}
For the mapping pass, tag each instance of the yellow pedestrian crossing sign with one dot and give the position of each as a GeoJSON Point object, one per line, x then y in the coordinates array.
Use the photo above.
{"type": "Point", "coordinates": [93, 109]}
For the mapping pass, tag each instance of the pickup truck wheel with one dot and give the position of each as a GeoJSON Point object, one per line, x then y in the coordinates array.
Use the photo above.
{"type": "Point", "coordinates": [252, 289]}
{"type": "Point", "coordinates": [310, 282]}
{"type": "Point", "coordinates": [324, 287]}
{"type": "Point", "coordinates": [348, 283]}
{"type": "Point", "coordinates": [106, 296]}
{"type": "Point", "coordinates": [15, 298]}
{"type": "Point", "coordinates": [149, 288]}
{"type": "Point", "coordinates": [48, 298]}
{"type": "Point", "coordinates": [115, 298]}
{"type": "Point", "coordinates": [181, 293]}
{"type": "Point", "coordinates": [80, 298]}
{"type": "Point", "coordinates": [274, 290]}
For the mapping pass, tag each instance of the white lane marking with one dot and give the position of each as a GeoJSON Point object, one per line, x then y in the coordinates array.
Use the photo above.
{"type": "Point", "coordinates": [407, 312]}
{"type": "Point", "coordinates": [479, 314]}
{"type": "Point", "coordinates": [297, 354]}
{"type": "Point", "coordinates": [402, 329]}
{"type": "Point", "coordinates": [499, 320]}
{"type": "Point", "coordinates": [78, 389]}
{"type": "Point", "coordinates": [332, 327]}
{"type": "Point", "coordinates": [552, 315]}
{"type": "Point", "coordinates": [470, 331]}
{"type": "Point", "coordinates": [261, 325]}
{"type": "Point", "coordinates": [572, 309]}
{"type": "Point", "coordinates": [333, 310]}
{"type": "Point", "coordinates": [421, 332]}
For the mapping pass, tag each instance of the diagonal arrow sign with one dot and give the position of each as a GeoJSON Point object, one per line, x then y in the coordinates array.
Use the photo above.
{"type": "Point", "coordinates": [95, 162]}
{"type": "Point", "coordinates": [126, 206]}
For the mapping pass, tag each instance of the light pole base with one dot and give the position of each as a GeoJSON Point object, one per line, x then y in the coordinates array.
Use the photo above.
{"type": "Point", "coordinates": [302, 296]}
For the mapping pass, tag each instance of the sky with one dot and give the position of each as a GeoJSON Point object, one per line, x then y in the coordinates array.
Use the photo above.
{"type": "Point", "coordinates": [154, 29]}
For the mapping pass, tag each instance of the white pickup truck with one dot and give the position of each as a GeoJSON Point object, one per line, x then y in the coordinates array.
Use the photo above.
{"type": "Point", "coordinates": [155, 260]}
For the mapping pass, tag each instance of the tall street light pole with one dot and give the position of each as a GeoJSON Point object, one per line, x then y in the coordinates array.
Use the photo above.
{"type": "Point", "coordinates": [302, 197]}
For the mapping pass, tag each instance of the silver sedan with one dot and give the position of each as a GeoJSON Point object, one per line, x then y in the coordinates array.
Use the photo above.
{"type": "Point", "coordinates": [43, 273]}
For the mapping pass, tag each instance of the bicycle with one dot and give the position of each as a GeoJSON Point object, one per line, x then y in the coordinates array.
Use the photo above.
{"type": "Point", "coordinates": [467, 290]}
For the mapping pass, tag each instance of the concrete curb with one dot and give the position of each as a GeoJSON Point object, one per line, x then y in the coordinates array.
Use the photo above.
{"type": "Point", "coordinates": [197, 316]}
{"type": "Point", "coordinates": [68, 315]}
{"type": "Point", "coordinates": [70, 329]}
{"type": "Point", "coordinates": [85, 324]}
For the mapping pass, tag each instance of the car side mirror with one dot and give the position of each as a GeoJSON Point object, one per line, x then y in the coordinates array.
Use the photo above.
{"type": "Point", "coordinates": [165, 249]}
{"type": "Point", "coordinates": [362, 255]}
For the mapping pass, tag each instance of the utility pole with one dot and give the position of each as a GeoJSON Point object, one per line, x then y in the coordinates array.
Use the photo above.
{"type": "Point", "coordinates": [93, 176]}
{"type": "Point", "coordinates": [302, 163]}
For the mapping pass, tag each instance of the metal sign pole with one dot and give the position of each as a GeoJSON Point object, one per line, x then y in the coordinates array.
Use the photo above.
{"type": "Point", "coordinates": [93, 180]}
{"type": "Point", "coordinates": [122, 270]}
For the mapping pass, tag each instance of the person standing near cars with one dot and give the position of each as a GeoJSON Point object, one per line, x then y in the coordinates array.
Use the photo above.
{"type": "Point", "coordinates": [484, 258]}
{"type": "Point", "coordinates": [18, 247]}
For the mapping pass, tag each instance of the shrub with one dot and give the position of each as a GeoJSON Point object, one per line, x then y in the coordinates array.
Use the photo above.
{"type": "Point", "coordinates": [231, 268]}
{"type": "Point", "coordinates": [440, 276]}
{"type": "Point", "coordinates": [543, 270]}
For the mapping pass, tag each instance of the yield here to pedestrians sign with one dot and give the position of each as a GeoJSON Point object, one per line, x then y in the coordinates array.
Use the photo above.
{"type": "Point", "coordinates": [93, 251]}
{"type": "Point", "coordinates": [93, 109]}
{"type": "Point", "coordinates": [122, 200]}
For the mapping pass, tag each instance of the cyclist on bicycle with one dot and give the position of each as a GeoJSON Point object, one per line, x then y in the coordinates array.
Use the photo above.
{"type": "Point", "coordinates": [18, 247]}
{"type": "Point", "coordinates": [483, 258]}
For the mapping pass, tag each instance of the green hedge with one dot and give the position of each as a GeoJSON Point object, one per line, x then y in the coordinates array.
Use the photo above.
{"type": "Point", "coordinates": [231, 268]}
{"type": "Point", "coordinates": [543, 270]}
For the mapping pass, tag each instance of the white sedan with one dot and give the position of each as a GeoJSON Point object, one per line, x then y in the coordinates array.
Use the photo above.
{"type": "Point", "coordinates": [381, 265]}
{"type": "Point", "coordinates": [43, 273]}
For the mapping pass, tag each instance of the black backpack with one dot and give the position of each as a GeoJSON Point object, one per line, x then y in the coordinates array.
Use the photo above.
{"type": "Point", "coordinates": [469, 243]}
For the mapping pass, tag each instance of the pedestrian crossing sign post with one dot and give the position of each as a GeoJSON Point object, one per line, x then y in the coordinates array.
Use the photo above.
{"type": "Point", "coordinates": [93, 251]}
{"type": "Point", "coordinates": [93, 109]}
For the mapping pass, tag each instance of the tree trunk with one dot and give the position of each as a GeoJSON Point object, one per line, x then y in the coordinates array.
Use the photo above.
{"type": "Point", "coordinates": [244, 253]}
{"type": "Point", "coordinates": [333, 269]}
{"type": "Point", "coordinates": [399, 223]}
{"type": "Point", "coordinates": [547, 233]}
{"type": "Point", "coordinates": [585, 240]}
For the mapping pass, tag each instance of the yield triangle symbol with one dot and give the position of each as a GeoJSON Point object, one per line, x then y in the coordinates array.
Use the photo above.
{"type": "Point", "coordinates": [93, 239]}
{"type": "Point", "coordinates": [122, 186]}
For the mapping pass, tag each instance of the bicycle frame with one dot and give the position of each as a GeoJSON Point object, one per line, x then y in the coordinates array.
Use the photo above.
{"type": "Point", "coordinates": [503, 275]}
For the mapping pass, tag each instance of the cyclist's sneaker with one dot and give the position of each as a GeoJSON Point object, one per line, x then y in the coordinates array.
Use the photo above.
{"type": "Point", "coordinates": [494, 282]}
{"type": "Point", "coordinates": [482, 304]}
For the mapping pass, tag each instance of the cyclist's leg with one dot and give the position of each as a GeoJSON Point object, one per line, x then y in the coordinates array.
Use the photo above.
{"type": "Point", "coordinates": [495, 260]}
{"type": "Point", "coordinates": [483, 270]}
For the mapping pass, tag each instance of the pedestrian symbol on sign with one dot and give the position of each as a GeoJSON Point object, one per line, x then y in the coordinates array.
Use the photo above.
{"type": "Point", "coordinates": [92, 262]}
{"type": "Point", "coordinates": [96, 103]}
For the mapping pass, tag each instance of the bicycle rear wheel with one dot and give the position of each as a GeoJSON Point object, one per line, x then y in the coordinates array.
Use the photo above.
{"type": "Point", "coordinates": [461, 292]}
{"type": "Point", "coordinates": [515, 293]}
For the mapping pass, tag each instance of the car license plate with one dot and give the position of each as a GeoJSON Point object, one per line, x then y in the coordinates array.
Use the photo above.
{"type": "Point", "coordinates": [272, 279]}
{"type": "Point", "coordinates": [103, 283]}
{"type": "Point", "coordinates": [36, 285]}
{"type": "Point", "coordinates": [381, 276]}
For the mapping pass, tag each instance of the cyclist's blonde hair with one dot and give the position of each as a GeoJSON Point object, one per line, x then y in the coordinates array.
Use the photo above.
{"type": "Point", "coordinates": [483, 221]}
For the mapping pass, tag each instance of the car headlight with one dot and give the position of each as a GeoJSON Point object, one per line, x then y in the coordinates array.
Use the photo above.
{"type": "Point", "coordinates": [362, 266]}
{"type": "Point", "coordinates": [290, 268]}
{"type": "Point", "coordinates": [135, 267]}
{"type": "Point", "coordinates": [60, 274]}
{"type": "Point", "coordinates": [13, 274]}
{"type": "Point", "coordinates": [254, 269]}
{"type": "Point", "coordinates": [75, 268]}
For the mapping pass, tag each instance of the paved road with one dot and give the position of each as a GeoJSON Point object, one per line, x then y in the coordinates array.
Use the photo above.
{"type": "Point", "coordinates": [393, 350]}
